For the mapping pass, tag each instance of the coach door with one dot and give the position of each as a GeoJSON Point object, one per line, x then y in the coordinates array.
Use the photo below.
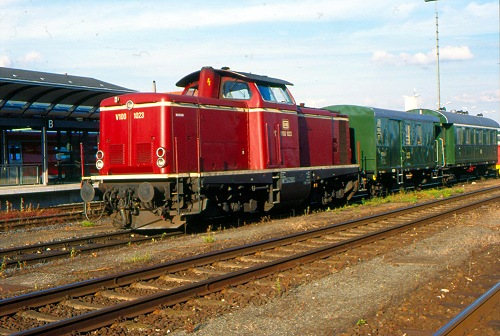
{"type": "Point", "coordinates": [439, 146]}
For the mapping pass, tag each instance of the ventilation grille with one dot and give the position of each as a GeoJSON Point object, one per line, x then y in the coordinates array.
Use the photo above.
{"type": "Point", "coordinates": [144, 152]}
{"type": "Point", "coordinates": [117, 154]}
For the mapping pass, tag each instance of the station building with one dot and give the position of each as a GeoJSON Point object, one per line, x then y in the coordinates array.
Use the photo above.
{"type": "Point", "coordinates": [49, 127]}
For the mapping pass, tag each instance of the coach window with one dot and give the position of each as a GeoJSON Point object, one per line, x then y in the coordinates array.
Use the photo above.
{"type": "Point", "coordinates": [467, 136]}
{"type": "Point", "coordinates": [233, 89]}
{"type": "Point", "coordinates": [408, 135]}
{"type": "Point", "coordinates": [419, 134]}
{"type": "Point", "coordinates": [459, 136]}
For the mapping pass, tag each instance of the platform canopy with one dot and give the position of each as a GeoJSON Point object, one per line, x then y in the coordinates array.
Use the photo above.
{"type": "Point", "coordinates": [35, 99]}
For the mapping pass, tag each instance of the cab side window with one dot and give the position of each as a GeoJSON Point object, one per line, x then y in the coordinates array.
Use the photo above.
{"type": "Point", "coordinates": [234, 89]}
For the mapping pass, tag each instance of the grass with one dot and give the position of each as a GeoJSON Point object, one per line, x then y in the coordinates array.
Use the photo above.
{"type": "Point", "coordinates": [415, 196]}
{"type": "Point", "coordinates": [87, 223]}
{"type": "Point", "coordinates": [138, 257]}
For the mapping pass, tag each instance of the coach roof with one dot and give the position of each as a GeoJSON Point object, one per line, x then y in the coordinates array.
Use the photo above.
{"type": "Point", "coordinates": [193, 77]}
{"type": "Point", "coordinates": [459, 118]}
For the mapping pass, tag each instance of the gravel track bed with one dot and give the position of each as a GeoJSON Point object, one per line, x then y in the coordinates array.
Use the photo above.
{"type": "Point", "coordinates": [396, 294]}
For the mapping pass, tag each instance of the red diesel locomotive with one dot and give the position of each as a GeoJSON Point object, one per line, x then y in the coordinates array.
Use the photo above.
{"type": "Point", "coordinates": [231, 142]}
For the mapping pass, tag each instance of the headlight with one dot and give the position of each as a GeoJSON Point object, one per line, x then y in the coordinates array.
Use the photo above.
{"type": "Point", "coordinates": [99, 155]}
{"type": "Point", "coordinates": [160, 162]}
{"type": "Point", "coordinates": [160, 152]}
{"type": "Point", "coordinates": [99, 164]}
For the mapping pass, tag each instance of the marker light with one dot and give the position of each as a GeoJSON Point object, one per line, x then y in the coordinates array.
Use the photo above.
{"type": "Point", "coordinates": [161, 162]}
{"type": "Point", "coordinates": [160, 152]}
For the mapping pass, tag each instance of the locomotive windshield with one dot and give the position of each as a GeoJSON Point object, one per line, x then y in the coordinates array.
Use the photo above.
{"type": "Point", "coordinates": [275, 94]}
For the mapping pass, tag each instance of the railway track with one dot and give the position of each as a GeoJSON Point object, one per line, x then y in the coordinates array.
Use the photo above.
{"type": "Point", "coordinates": [57, 213]}
{"type": "Point", "coordinates": [469, 318]}
{"type": "Point", "coordinates": [21, 256]}
{"type": "Point", "coordinates": [171, 289]}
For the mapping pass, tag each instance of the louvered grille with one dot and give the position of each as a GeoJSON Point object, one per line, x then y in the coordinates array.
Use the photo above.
{"type": "Point", "coordinates": [117, 154]}
{"type": "Point", "coordinates": [144, 152]}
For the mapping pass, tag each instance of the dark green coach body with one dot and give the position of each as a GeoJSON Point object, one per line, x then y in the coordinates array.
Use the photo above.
{"type": "Point", "coordinates": [387, 141]}
{"type": "Point", "coordinates": [465, 140]}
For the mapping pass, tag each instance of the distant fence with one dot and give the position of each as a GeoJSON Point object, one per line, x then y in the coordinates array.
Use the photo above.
{"type": "Point", "coordinates": [19, 174]}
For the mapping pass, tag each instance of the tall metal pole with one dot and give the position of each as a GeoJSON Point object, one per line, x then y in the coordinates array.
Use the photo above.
{"type": "Point", "coordinates": [437, 57]}
{"type": "Point", "coordinates": [437, 62]}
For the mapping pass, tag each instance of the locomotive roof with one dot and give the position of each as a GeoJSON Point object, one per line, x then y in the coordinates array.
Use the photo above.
{"type": "Point", "coordinates": [193, 77]}
{"type": "Point", "coordinates": [459, 118]}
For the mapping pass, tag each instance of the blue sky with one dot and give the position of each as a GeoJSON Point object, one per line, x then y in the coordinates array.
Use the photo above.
{"type": "Point", "coordinates": [364, 52]}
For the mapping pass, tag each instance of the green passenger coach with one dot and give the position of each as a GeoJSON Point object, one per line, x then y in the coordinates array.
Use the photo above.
{"type": "Point", "coordinates": [466, 144]}
{"type": "Point", "coordinates": [392, 146]}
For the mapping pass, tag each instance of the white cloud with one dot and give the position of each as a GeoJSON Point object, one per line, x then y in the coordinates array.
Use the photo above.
{"type": "Point", "coordinates": [489, 96]}
{"type": "Point", "coordinates": [486, 10]}
{"type": "Point", "coordinates": [5, 61]}
{"type": "Point", "coordinates": [445, 54]}
{"type": "Point", "coordinates": [31, 57]}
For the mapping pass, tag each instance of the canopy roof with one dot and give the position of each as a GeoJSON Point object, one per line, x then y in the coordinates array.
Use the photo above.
{"type": "Point", "coordinates": [36, 95]}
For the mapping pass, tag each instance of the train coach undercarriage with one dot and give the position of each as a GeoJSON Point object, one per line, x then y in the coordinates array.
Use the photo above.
{"type": "Point", "coordinates": [167, 202]}
{"type": "Point", "coordinates": [398, 179]}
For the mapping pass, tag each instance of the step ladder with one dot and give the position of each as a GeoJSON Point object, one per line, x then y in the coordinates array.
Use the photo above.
{"type": "Point", "coordinates": [275, 190]}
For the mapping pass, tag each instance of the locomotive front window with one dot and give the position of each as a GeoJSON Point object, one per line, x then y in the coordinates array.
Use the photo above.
{"type": "Point", "coordinates": [235, 90]}
{"type": "Point", "coordinates": [276, 94]}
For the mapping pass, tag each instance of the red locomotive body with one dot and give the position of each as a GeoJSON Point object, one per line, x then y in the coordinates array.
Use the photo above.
{"type": "Point", "coordinates": [230, 142]}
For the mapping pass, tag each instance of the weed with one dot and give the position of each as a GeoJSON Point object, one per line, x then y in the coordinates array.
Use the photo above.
{"type": "Point", "coordinates": [87, 223]}
{"type": "Point", "coordinates": [73, 253]}
{"type": "Point", "coordinates": [3, 266]}
{"type": "Point", "coordinates": [278, 286]}
{"type": "Point", "coordinates": [140, 258]}
{"type": "Point", "coordinates": [209, 238]}
{"type": "Point", "coordinates": [361, 322]}
{"type": "Point", "coordinates": [265, 219]}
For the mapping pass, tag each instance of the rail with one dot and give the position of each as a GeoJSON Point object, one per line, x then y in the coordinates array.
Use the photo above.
{"type": "Point", "coordinates": [464, 322]}
{"type": "Point", "coordinates": [304, 247]}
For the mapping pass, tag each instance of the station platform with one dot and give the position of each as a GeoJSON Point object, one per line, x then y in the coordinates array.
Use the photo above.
{"type": "Point", "coordinates": [39, 195]}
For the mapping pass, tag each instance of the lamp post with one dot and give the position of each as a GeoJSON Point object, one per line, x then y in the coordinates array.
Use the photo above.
{"type": "Point", "coordinates": [437, 57]}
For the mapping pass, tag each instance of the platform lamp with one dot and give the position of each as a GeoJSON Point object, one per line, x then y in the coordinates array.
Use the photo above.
{"type": "Point", "coordinates": [437, 56]}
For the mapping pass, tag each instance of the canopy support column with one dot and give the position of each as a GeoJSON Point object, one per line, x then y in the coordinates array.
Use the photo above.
{"type": "Point", "coordinates": [45, 158]}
